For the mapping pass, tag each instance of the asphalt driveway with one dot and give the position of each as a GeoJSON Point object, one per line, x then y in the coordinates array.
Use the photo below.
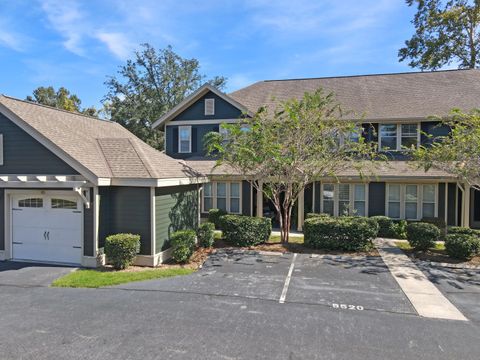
{"type": "Point", "coordinates": [30, 274]}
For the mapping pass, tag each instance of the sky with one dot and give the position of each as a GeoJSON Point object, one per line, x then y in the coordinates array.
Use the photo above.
{"type": "Point", "coordinates": [78, 43]}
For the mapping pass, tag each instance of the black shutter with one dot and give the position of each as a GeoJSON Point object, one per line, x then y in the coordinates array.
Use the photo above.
{"type": "Point", "coordinates": [194, 140]}
{"type": "Point", "coordinates": [175, 141]}
{"type": "Point", "coordinates": [216, 128]}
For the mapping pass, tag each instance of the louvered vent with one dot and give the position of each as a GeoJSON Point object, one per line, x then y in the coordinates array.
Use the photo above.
{"type": "Point", "coordinates": [209, 106]}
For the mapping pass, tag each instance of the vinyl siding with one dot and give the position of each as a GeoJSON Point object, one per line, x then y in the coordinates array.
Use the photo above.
{"type": "Point", "coordinates": [223, 110]}
{"type": "Point", "coordinates": [2, 219]}
{"type": "Point", "coordinates": [88, 246]}
{"type": "Point", "coordinates": [198, 133]}
{"type": "Point", "coordinates": [176, 208]}
{"type": "Point", "coordinates": [22, 154]}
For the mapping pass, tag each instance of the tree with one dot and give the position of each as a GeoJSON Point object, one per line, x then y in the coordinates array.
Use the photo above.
{"type": "Point", "coordinates": [149, 86]}
{"type": "Point", "coordinates": [445, 32]}
{"type": "Point", "coordinates": [61, 99]}
{"type": "Point", "coordinates": [458, 152]}
{"type": "Point", "coordinates": [286, 149]}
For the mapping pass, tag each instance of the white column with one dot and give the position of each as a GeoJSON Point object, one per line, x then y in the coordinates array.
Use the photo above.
{"type": "Point", "coordinates": [260, 200]}
{"type": "Point", "coordinates": [300, 209]}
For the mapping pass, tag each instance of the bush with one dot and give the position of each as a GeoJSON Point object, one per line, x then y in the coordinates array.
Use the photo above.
{"type": "Point", "coordinates": [246, 230]}
{"type": "Point", "coordinates": [214, 216]}
{"type": "Point", "coordinates": [121, 249]}
{"type": "Point", "coordinates": [462, 246]}
{"type": "Point", "coordinates": [422, 236]}
{"type": "Point", "coordinates": [315, 215]}
{"type": "Point", "coordinates": [390, 228]}
{"type": "Point", "coordinates": [345, 233]}
{"type": "Point", "coordinates": [438, 222]}
{"type": "Point", "coordinates": [463, 230]}
{"type": "Point", "coordinates": [183, 245]}
{"type": "Point", "coordinates": [206, 234]}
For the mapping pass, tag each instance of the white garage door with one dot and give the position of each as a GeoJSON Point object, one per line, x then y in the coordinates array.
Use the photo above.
{"type": "Point", "coordinates": [47, 228]}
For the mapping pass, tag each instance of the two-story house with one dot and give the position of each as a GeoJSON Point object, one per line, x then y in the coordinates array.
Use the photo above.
{"type": "Point", "coordinates": [398, 106]}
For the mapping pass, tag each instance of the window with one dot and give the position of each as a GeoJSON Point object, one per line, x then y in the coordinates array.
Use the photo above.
{"type": "Point", "coordinates": [411, 201]}
{"type": "Point", "coordinates": [184, 139]}
{"type": "Point", "coordinates": [222, 195]}
{"type": "Point", "coordinates": [224, 133]}
{"type": "Point", "coordinates": [394, 201]}
{"type": "Point", "coordinates": [1, 149]}
{"type": "Point", "coordinates": [31, 203]}
{"type": "Point", "coordinates": [64, 204]}
{"type": "Point", "coordinates": [344, 199]}
{"type": "Point", "coordinates": [428, 201]}
{"type": "Point", "coordinates": [328, 199]}
{"type": "Point", "coordinates": [359, 200]}
{"type": "Point", "coordinates": [209, 106]}
{"type": "Point", "coordinates": [235, 198]}
{"type": "Point", "coordinates": [207, 197]}
{"type": "Point", "coordinates": [396, 137]}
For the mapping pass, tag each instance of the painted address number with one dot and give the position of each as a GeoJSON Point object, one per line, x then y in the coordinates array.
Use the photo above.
{"type": "Point", "coordinates": [347, 307]}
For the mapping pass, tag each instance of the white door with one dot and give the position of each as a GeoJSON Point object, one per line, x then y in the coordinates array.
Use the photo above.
{"type": "Point", "coordinates": [47, 227]}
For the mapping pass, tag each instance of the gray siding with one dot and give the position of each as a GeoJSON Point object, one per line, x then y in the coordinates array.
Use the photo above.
{"type": "Point", "coordinates": [176, 208]}
{"type": "Point", "coordinates": [22, 154]}
{"type": "Point", "coordinates": [126, 210]}
{"type": "Point", "coordinates": [223, 110]}
{"type": "Point", "coordinates": [198, 133]}
{"type": "Point", "coordinates": [88, 245]}
{"type": "Point", "coordinates": [376, 198]}
{"type": "Point", "coordinates": [2, 219]}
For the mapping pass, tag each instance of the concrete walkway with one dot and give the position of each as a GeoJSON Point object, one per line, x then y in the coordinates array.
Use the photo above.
{"type": "Point", "coordinates": [427, 300]}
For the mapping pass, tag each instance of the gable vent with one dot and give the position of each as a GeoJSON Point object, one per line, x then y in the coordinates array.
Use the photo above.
{"type": "Point", "coordinates": [209, 106]}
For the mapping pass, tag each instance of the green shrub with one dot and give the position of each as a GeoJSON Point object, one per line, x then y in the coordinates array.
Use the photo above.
{"type": "Point", "coordinates": [183, 245]}
{"type": "Point", "coordinates": [206, 234]}
{"type": "Point", "coordinates": [391, 228]}
{"type": "Point", "coordinates": [345, 233]}
{"type": "Point", "coordinates": [246, 230]}
{"type": "Point", "coordinates": [463, 230]}
{"type": "Point", "coordinates": [315, 215]}
{"type": "Point", "coordinates": [462, 246]}
{"type": "Point", "coordinates": [438, 222]}
{"type": "Point", "coordinates": [214, 216]}
{"type": "Point", "coordinates": [422, 236]}
{"type": "Point", "coordinates": [121, 249]}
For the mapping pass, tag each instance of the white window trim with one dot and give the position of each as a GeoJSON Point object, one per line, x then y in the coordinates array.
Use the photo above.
{"type": "Point", "coordinates": [1, 149]}
{"type": "Point", "coordinates": [180, 128]}
{"type": "Point", "coordinates": [228, 195]}
{"type": "Point", "coordinates": [336, 199]}
{"type": "Point", "coordinates": [398, 137]}
{"type": "Point", "coordinates": [419, 200]}
{"type": "Point", "coordinates": [212, 100]}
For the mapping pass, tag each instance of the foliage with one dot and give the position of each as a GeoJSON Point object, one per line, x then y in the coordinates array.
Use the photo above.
{"type": "Point", "coordinates": [287, 148]}
{"type": "Point", "coordinates": [60, 99]}
{"type": "Point", "coordinates": [344, 233]}
{"type": "Point", "coordinates": [422, 236]}
{"type": "Point", "coordinates": [438, 222]}
{"type": "Point", "coordinates": [445, 32]}
{"type": "Point", "coordinates": [246, 230]}
{"type": "Point", "coordinates": [391, 228]}
{"type": "Point", "coordinates": [84, 278]}
{"type": "Point", "coordinates": [463, 230]}
{"type": "Point", "coordinates": [206, 234]}
{"type": "Point", "coordinates": [150, 85]}
{"type": "Point", "coordinates": [214, 217]}
{"type": "Point", "coordinates": [462, 246]}
{"type": "Point", "coordinates": [315, 215]}
{"type": "Point", "coordinates": [121, 249]}
{"type": "Point", "coordinates": [458, 153]}
{"type": "Point", "coordinates": [183, 245]}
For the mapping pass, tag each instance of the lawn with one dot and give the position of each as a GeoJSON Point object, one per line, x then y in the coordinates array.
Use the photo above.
{"type": "Point", "coordinates": [97, 278]}
{"type": "Point", "coordinates": [404, 245]}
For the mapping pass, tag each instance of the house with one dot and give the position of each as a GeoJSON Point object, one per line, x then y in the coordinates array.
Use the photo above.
{"type": "Point", "coordinates": [68, 180]}
{"type": "Point", "coordinates": [397, 106]}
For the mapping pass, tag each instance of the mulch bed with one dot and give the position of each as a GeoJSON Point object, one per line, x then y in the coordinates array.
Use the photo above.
{"type": "Point", "coordinates": [440, 256]}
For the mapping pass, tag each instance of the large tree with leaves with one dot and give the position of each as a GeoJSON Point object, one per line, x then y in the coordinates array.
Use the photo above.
{"type": "Point", "coordinates": [60, 99]}
{"type": "Point", "coordinates": [150, 85]}
{"type": "Point", "coordinates": [458, 152]}
{"type": "Point", "coordinates": [287, 148]}
{"type": "Point", "coordinates": [446, 32]}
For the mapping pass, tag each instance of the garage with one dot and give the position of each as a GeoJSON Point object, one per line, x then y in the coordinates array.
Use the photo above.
{"type": "Point", "coordinates": [47, 227]}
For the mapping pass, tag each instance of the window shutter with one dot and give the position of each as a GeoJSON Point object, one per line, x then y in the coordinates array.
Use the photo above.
{"type": "Point", "coordinates": [209, 106]}
{"type": "Point", "coordinates": [216, 128]}
{"type": "Point", "coordinates": [175, 140]}
{"type": "Point", "coordinates": [194, 139]}
{"type": "Point", "coordinates": [1, 149]}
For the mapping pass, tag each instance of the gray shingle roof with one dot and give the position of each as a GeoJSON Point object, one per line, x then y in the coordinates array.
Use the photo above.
{"type": "Point", "coordinates": [388, 96]}
{"type": "Point", "coordinates": [105, 148]}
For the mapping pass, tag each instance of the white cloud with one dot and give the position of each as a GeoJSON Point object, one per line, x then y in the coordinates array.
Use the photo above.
{"type": "Point", "coordinates": [238, 81]}
{"type": "Point", "coordinates": [11, 40]}
{"type": "Point", "coordinates": [117, 43]}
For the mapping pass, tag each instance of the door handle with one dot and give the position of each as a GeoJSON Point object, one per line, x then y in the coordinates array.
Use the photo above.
{"type": "Point", "coordinates": [44, 235]}
{"type": "Point", "coordinates": [48, 235]}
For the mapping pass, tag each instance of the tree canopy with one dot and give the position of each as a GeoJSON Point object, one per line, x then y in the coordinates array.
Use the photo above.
{"type": "Point", "coordinates": [287, 148]}
{"type": "Point", "coordinates": [150, 85]}
{"type": "Point", "coordinates": [446, 32]}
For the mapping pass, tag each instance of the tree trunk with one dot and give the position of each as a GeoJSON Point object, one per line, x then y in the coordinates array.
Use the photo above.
{"type": "Point", "coordinates": [286, 218]}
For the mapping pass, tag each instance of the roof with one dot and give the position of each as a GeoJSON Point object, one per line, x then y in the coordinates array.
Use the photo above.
{"type": "Point", "coordinates": [379, 97]}
{"type": "Point", "coordinates": [102, 148]}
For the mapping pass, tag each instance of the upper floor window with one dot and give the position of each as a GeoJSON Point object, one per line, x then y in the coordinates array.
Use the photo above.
{"type": "Point", "coordinates": [209, 106]}
{"type": "Point", "coordinates": [397, 137]}
{"type": "Point", "coordinates": [184, 139]}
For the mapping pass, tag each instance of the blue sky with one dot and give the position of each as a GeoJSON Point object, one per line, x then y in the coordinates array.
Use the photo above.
{"type": "Point", "coordinates": [77, 43]}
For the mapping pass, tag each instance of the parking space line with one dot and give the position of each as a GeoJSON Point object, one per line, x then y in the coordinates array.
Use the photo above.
{"type": "Point", "coordinates": [287, 280]}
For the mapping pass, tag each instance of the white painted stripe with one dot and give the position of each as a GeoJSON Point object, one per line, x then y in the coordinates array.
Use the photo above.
{"type": "Point", "coordinates": [427, 300]}
{"type": "Point", "coordinates": [287, 280]}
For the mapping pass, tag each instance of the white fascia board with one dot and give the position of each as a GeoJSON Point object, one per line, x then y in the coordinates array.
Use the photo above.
{"type": "Point", "coordinates": [156, 182]}
{"type": "Point", "coordinates": [181, 181]}
{"type": "Point", "coordinates": [202, 122]}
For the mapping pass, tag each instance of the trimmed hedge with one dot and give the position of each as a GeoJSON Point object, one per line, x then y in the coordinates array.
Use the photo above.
{"type": "Point", "coordinates": [183, 245]}
{"type": "Point", "coordinates": [422, 236]}
{"type": "Point", "coordinates": [462, 246]}
{"type": "Point", "coordinates": [391, 228]}
{"type": "Point", "coordinates": [245, 230]}
{"type": "Point", "coordinates": [342, 233]}
{"type": "Point", "coordinates": [463, 230]}
{"type": "Point", "coordinates": [214, 216]}
{"type": "Point", "coordinates": [206, 234]}
{"type": "Point", "coordinates": [315, 215]}
{"type": "Point", "coordinates": [438, 222]}
{"type": "Point", "coordinates": [121, 249]}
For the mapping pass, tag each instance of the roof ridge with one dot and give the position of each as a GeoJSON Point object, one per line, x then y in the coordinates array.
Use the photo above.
{"type": "Point", "coordinates": [57, 109]}
{"type": "Point", "coordinates": [367, 75]}
{"type": "Point", "coordinates": [143, 159]}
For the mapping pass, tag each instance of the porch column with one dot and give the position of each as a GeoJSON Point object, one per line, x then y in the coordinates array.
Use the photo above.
{"type": "Point", "coordinates": [260, 200]}
{"type": "Point", "coordinates": [300, 207]}
{"type": "Point", "coordinates": [466, 206]}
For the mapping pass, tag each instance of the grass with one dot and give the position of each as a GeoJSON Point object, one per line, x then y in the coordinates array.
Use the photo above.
{"type": "Point", "coordinates": [404, 245]}
{"type": "Point", "coordinates": [96, 278]}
